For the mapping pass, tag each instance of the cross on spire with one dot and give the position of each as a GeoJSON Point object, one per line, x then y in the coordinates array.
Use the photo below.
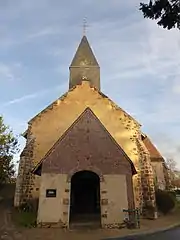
{"type": "Point", "coordinates": [85, 25]}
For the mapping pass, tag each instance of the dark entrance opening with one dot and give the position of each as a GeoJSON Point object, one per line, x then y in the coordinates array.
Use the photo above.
{"type": "Point", "coordinates": [85, 199]}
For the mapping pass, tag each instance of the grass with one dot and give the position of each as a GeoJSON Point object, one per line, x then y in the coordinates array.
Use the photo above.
{"type": "Point", "coordinates": [24, 219]}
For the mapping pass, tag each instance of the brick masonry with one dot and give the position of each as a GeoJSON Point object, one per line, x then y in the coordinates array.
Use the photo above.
{"type": "Point", "coordinates": [62, 113]}
{"type": "Point", "coordinates": [88, 145]}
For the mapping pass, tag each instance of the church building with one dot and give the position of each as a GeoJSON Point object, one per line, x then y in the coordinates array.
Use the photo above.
{"type": "Point", "coordinates": [85, 158]}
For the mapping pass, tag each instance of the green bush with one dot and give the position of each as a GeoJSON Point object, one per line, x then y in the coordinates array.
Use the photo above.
{"type": "Point", "coordinates": [165, 201]}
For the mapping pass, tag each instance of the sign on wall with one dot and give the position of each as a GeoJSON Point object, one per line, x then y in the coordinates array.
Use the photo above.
{"type": "Point", "coordinates": [50, 192]}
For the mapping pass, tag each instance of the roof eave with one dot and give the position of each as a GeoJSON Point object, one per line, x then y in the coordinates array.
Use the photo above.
{"type": "Point", "coordinates": [24, 134]}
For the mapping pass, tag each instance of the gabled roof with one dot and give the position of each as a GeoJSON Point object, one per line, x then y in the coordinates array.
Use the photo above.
{"type": "Point", "coordinates": [86, 115]}
{"type": "Point", "coordinates": [93, 89]}
{"type": "Point", "coordinates": [51, 105]}
{"type": "Point", "coordinates": [154, 153]}
{"type": "Point", "coordinates": [24, 134]}
{"type": "Point", "coordinates": [84, 55]}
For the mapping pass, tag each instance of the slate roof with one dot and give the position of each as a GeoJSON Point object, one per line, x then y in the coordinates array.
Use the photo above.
{"type": "Point", "coordinates": [154, 153]}
{"type": "Point", "coordinates": [84, 54]}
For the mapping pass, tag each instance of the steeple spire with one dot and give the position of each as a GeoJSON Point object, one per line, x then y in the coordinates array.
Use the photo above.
{"type": "Point", "coordinates": [84, 55]}
{"type": "Point", "coordinates": [84, 66]}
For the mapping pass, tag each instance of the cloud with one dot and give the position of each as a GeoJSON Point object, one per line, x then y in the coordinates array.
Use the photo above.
{"type": "Point", "coordinates": [141, 72]}
{"type": "Point", "coordinates": [176, 84]}
{"type": "Point", "coordinates": [6, 72]}
{"type": "Point", "coordinates": [30, 96]}
{"type": "Point", "coordinates": [140, 62]}
{"type": "Point", "coordinates": [45, 32]}
{"type": "Point", "coordinates": [145, 54]}
{"type": "Point", "coordinates": [167, 145]}
{"type": "Point", "coordinates": [21, 99]}
{"type": "Point", "coordinates": [10, 72]}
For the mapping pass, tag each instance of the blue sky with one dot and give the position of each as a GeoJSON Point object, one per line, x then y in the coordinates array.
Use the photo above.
{"type": "Point", "coordinates": [140, 62]}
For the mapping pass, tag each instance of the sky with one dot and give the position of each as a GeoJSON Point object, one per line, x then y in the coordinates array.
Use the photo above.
{"type": "Point", "coordinates": [139, 61]}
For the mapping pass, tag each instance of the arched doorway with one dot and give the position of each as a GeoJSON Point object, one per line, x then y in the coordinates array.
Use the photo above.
{"type": "Point", "coordinates": [85, 198]}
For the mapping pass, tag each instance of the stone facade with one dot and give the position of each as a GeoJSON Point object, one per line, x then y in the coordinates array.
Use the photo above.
{"type": "Point", "coordinates": [112, 202]}
{"type": "Point", "coordinates": [25, 177]}
{"type": "Point", "coordinates": [87, 145]}
{"type": "Point", "coordinates": [147, 182]}
{"type": "Point", "coordinates": [160, 171]}
{"type": "Point", "coordinates": [159, 175]}
{"type": "Point", "coordinates": [47, 128]}
{"type": "Point", "coordinates": [124, 130]}
{"type": "Point", "coordinates": [167, 177]}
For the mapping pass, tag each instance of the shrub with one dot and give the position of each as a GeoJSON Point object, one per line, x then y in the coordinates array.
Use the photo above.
{"type": "Point", "coordinates": [173, 194]}
{"type": "Point", "coordinates": [165, 201]}
{"type": "Point", "coordinates": [29, 206]}
{"type": "Point", "coordinates": [24, 219]}
{"type": "Point", "coordinates": [177, 191]}
{"type": "Point", "coordinates": [26, 207]}
{"type": "Point", "coordinates": [26, 214]}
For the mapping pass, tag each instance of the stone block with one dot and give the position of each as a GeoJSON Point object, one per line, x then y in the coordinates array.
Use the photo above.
{"type": "Point", "coordinates": [104, 201]}
{"type": "Point", "coordinates": [66, 201]}
{"type": "Point", "coordinates": [104, 191]}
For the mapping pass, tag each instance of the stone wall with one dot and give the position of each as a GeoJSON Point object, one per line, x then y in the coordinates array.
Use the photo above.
{"type": "Point", "coordinates": [87, 145]}
{"type": "Point", "coordinates": [56, 210]}
{"type": "Point", "coordinates": [159, 175]}
{"type": "Point", "coordinates": [49, 125]}
{"type": "Point", "coordinates": [19, 181]}
{"type": "Point", "coordinates": [147, 182]}
{"type": "Point", "coordinates": [167, 177]}
{"type": "Point", "coordinates": [25, 183]}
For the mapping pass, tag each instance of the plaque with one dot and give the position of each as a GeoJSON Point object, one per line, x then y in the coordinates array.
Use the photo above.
{"type": "Point", "coordinates": [50, 193]}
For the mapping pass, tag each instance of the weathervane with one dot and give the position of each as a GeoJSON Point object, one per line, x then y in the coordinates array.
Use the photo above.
{"type": "Point", "coordinates": [85, 25]}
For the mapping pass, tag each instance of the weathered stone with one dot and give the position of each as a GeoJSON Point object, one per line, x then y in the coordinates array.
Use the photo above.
{"type": "Point", "coordinates": [103, 192]}
{"type": "Point", "coordinates": [104, 201]}
{"type": "Point", "coordinates": [66, 201]}
{"type": "Point", "coordinates": [123, 130]}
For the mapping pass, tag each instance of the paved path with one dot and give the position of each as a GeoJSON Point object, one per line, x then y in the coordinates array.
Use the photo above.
{"type": "Point", "coordinates": [7, 229]}
{"type": "Point", "coordinates": [10, 232]}
{"type": "Point", "coordinates": [166, 235]}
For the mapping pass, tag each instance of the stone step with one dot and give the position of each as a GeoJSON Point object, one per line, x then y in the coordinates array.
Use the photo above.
{"type": "Point", "coordinates": [85, 225]}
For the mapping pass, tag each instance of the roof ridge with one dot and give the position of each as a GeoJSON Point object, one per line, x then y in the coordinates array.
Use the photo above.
{"type": "Point", "coordinates": [153, 150]}
{"type": "Point", "coordinates": [88, 109]}
{"type": "Point", "coordinates": [72, 89]}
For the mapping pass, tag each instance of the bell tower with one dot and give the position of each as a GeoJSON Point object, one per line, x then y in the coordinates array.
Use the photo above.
{"type": "Point", "coordinates": [84, 66]}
